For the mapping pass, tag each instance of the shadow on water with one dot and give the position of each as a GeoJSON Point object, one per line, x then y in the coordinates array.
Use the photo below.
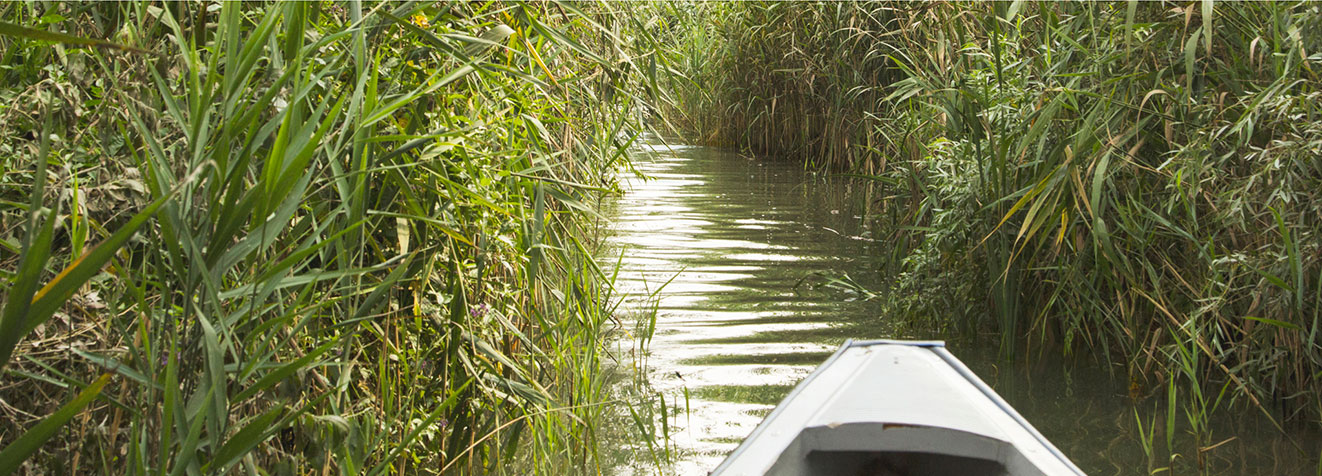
{"type": "Point", "coordinates": [732, 240]}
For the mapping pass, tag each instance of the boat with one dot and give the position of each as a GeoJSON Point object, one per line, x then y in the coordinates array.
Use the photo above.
{"type": "Point", "coordinates": [888, 407]}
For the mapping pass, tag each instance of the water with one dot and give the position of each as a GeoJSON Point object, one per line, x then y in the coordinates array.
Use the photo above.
{"type": "Point", "coordinates": [727, 246]}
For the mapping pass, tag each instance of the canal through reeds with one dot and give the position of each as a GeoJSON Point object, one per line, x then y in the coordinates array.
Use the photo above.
{"type": "Point", "coordinates": [750, 271]}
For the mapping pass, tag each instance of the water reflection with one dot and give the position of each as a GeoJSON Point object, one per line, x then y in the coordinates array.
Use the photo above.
{"type": "Point", "coordinates": [732, 239]}
{"type": "Point", "coordinates": [736, 235]}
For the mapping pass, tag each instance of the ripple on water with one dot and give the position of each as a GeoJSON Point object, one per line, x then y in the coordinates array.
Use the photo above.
{"type": "Point", "coordinates": [735, 238]}
{"type": "Point", "coordinates": [730, 240]}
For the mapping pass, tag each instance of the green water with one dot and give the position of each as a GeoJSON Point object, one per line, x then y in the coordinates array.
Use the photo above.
{"type": "Point", "coordinates": [729, 244]}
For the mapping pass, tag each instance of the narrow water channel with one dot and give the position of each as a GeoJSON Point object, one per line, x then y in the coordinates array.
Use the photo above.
{"type": "Point", "coordinates": [726, 248]}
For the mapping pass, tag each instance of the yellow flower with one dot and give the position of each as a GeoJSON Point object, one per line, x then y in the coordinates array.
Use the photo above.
{"type": "Point", "coordinates": [420, 20]}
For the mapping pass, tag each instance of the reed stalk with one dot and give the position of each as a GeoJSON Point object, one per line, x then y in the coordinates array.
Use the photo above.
{"type": "Point", "coordinates": [307, 238]}
{"type": "Point", "coordinates": [1136, 181]}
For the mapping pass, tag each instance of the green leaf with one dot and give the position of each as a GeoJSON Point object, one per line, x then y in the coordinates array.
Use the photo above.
{"type": "Point", "coordinates": [1273, 322]}
{"type": "Point", "coordinates": [30, 441]}
{"type": "Point", "coordinates": [284, 371]}
{"type": "Point", "coordinates": [244, 441]}
{"type": "Point", "coordinates": [113, 365]}
{"type": "Point", "coordinates": [1190, 51]}
{"type": "Point", "coordinates": [35, 252]}
{"type": "Point", "coordinates": [417, 430]}
{"type": "Point", "coordinates": [1015, 7]}
{"type": "Point", "coordinates": [11, 29]}
{"type": "Point", "coordinates": [59, 289]}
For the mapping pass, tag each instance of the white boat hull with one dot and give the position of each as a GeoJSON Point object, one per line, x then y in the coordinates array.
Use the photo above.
{"type": "Point", "coordinates": [894, 408]}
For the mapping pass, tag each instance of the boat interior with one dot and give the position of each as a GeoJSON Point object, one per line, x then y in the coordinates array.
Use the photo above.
{"type": "Point", "coordinates": [897, 463]}
{"type": "Point", "coordinates": [875, 449]}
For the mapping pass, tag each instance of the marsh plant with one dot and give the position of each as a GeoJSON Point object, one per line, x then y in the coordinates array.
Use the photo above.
{"type": "Point", "coordinates": [307, 238]}
{"type": "Point", "coordinates": [1136, 181]}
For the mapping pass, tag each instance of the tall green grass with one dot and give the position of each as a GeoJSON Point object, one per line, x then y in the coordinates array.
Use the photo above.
{"type": "Point", "coordinates": [298, 238]}
{"type": "Point", "coordinates": [1137, 181]}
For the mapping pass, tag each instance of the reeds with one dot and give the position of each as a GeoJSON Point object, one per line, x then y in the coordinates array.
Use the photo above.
{"type": "Point", "coordinates": [305, 238]}
{"type": "Point", "coordinates": [1134, 180]}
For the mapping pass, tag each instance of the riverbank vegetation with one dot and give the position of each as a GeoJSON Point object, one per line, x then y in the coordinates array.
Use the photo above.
{"type": "Point", "coordinates": [1138, 181]}
{"type": "Point", "coordinates": [307, 238]}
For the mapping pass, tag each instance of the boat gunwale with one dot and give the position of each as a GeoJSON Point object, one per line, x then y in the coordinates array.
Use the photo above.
{"type": "Point", "coordinates": [991, 394]}
{"type": "Point", "coordinates": [937, 347]}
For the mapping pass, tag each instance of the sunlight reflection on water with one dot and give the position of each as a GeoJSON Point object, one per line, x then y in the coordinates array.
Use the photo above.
{"type": "Point", "coordinates": [731, 233]}
{"type": "Point", "coordinates": [737, 327]}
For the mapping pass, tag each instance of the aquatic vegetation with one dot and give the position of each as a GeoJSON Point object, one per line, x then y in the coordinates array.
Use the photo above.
{"type": "Point", "coordinates": [1136, 181]}
{"type": "Point", "coordinates": [359, 238]}
{"type": "Point", "coordinates": [297, 238]}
